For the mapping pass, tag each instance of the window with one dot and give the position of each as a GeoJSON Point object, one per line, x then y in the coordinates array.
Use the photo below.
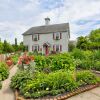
{"type": "Point", "coordinates": [35, 37]}
{"type": "Point", "coordinates": [57, 36]}
{"type": "Point", "coordinates": [35, 48]}
{"type": "Point", "coordinates": [57, 48]}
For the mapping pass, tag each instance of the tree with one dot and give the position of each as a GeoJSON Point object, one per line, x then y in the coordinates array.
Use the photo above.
{"type": "Point", "coordinates": [15, 41]}
{"type": "Point", "coordinates": [21, 47]}
{"type": "Point", "coordinates": [82, 43]}
{"type": "Point", "coordinates": [1, 47]}
{"type": "Point", "coordinates": [7, 47]}
{"type": "Point", "coordinates": [71, 45]}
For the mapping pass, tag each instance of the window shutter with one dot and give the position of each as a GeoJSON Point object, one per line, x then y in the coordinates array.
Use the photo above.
{"type": "Point", "coordinates": [38, 47]}
{"type": "Point", "coordinates": [38, 36]}
{"type": "Point", "coordinates": [32, 37]}
{"type": "Point", "coordinates": [53, 36]}
{"type": "Point", "coordinates": [60, 47]}
{"type": "Point", "coordinates": [53, 47]}
{"type": "Point", "coordinates": [60, 35]}
{"type": "Point", "coordinates": [32, 48]}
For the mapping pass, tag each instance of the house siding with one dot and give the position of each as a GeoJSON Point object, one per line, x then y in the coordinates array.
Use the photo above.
{"type": "Point", "coordinates": [47, 37]}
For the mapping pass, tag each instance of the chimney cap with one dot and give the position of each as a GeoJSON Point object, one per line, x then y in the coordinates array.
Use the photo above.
{"type": "Point", "coordinates": [47, 18]}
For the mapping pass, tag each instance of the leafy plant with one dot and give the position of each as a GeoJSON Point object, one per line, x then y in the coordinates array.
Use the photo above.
{"type": "Point", "coordinates": [19, 79]}
{"type": "Point", "coordinates": [4, 72]}
{"type": "Point", "coordinates": [86, 77]}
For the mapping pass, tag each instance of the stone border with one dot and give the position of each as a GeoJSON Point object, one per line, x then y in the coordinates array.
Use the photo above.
{"type": "Point", "coordinates": [63, 97]}
{"type": "Point", "coordinates": [95, 71]}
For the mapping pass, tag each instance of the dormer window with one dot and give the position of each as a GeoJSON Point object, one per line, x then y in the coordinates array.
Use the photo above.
{"type": "Point", "coordinates": [35, 37]}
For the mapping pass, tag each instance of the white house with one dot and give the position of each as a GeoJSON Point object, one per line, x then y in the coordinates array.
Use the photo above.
{"type": "Point", "coordinates": [47, 38]}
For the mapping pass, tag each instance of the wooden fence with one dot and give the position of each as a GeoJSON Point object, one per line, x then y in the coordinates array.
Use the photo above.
{"type": "Point", "coordinates": [2, 57]}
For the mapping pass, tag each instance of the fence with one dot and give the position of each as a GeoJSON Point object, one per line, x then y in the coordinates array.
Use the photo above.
{"type": "Point", "coordinates": [2, 57]}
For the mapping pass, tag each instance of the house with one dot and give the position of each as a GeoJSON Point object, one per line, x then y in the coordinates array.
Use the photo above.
{"type": "Point", "coordinates": [47, 38]}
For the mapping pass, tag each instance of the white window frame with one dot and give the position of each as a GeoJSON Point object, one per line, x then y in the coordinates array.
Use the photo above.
{"type": "Point", "coordinates": [35, 36]}
{"type": "Point", "coordinates": [35, 47]}
{"type": "Point", "coordinates": [58, 47]}
{"type": "Point", "coordinates": [57, 35]}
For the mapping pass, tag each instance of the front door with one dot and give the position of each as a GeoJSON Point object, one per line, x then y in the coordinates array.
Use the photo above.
{"type": "Point", "coordinates": [46, 50]}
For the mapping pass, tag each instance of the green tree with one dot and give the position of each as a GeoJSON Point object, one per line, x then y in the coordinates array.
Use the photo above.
{"type": "Point", "coordinates": [21, 47]}
{"type": "Point", "coordinates": [82, 43]}
{"type": "Point", "coordinates": [15, 41]}
{"type": "Point", "coordinates": [1, 47]}
{"type": "Point", "coordinates": [7, 47]}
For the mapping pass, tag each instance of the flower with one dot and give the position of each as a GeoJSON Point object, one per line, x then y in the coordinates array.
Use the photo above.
{"type": "Point", "coordinates": [47, 89]}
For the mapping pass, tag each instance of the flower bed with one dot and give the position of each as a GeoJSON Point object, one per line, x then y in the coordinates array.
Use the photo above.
{"type": "Point", "coordinates": [63, 96]}
{"type": "Point", "coordinates": [4, 72]}
{"type": "Point", "coordinates": [59, 82]}
{"type": "Point", "coordinates": [52, 76]}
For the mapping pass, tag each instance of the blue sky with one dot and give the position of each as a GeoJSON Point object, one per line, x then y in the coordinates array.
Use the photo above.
{"type": "Point", "coordinates": [16, 16]}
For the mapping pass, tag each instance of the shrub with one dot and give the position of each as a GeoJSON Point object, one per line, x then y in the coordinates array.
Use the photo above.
{"type": "Point", "coordinates": [55, 62]}
{"type": "Point", "coordinates": [96, 55]}
{"type": "Point", "coordinates": [86, 77]}
{"type": "Point", "coordinates": [52, 84]}
{"type": "Point", "coordinates": [19, 79]}
{"type": "Point", "coordinates": [96, 65]}
{"type": "Point", "coordinates": [77, 54]}
{"type": "Point", "coordinates": [4, 72]}
{"type": "Point", "coordinates": [15, 59]}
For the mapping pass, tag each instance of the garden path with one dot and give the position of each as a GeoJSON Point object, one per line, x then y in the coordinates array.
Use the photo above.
{"type": "Point", "coordinates": [6, 93]}
{"type": "Point", "coordinates": [93, 94]}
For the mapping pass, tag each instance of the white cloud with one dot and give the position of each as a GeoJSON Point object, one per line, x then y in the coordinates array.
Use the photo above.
{"type": "Point", "coordinates": [33, 13]}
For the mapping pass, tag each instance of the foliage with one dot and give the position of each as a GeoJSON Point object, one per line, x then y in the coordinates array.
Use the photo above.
{"type": "Point", "coordinates": [71, 46]}
{"type": "Point", "coordinates": [86, 77]}
{"type": "Point", "coordinates": [90, 42]}
{"type": "Point", "coordinates": [96, 65]}
{"type": "Point", "coordinates": [82, 43]}
{"type": "Point", "coordinates": [55, 62]}
{"type": "Point", "coordinates": [1, 47]}
{"type": "Point", "coordinates": [47, 84]}
{"type": "Point", "coordinates": [19, 79]}
{"type": "Point", "coordinates": [77, 54]}
{"type": "Point", "coordinates": [4, 72]}
{"type": "Point", "coordinates": [7, 47]}
{"type": "Point", "coordinates": [15, 58]}
{"type": "Point", "coordinates": [41, 84]}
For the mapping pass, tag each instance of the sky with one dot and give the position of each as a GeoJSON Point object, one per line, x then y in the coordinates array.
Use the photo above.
{"type": "Point", "coordinates": [16, 16]}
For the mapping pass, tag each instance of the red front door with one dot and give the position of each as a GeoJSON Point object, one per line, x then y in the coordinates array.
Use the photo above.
{"type": "Point", "coordinates": [46, 50]}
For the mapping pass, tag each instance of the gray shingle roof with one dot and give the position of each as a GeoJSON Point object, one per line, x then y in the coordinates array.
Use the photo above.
{"type": "Point", "coordinates": [48, 29]}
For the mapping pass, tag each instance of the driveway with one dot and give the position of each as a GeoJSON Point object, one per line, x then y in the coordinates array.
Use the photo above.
{"type": "Point", "coordinates": [6, 93]}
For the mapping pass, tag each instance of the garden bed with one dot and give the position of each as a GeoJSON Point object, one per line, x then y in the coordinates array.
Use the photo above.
{"type": "Point", "coordinates": [62, 96]}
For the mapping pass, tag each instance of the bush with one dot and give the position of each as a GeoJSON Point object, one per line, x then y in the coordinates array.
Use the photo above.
{"type": "Point", "coordinates": [55, 62]}
{"type": "Point", "coordinates": [15, 59]}
{"type": "Point", "coordinates": [77, 54]}
{"type": "Point", "coordinates": [4, 72]}
{"type": "Point", "coordinates": [52, 83]}
{"type": "Point", "coordinates": [19, 79]}
{"type": "Point", "coordinates": [86, 77]}
{"type": "Point", "coordinates": [96, 65]}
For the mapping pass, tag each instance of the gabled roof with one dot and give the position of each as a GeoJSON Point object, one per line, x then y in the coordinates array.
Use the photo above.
{"type": "Point", "coordinates": [48, 29]}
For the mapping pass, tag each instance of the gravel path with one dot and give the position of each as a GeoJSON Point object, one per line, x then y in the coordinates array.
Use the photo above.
{"type": "Point", "coordinates": [6, 93]}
